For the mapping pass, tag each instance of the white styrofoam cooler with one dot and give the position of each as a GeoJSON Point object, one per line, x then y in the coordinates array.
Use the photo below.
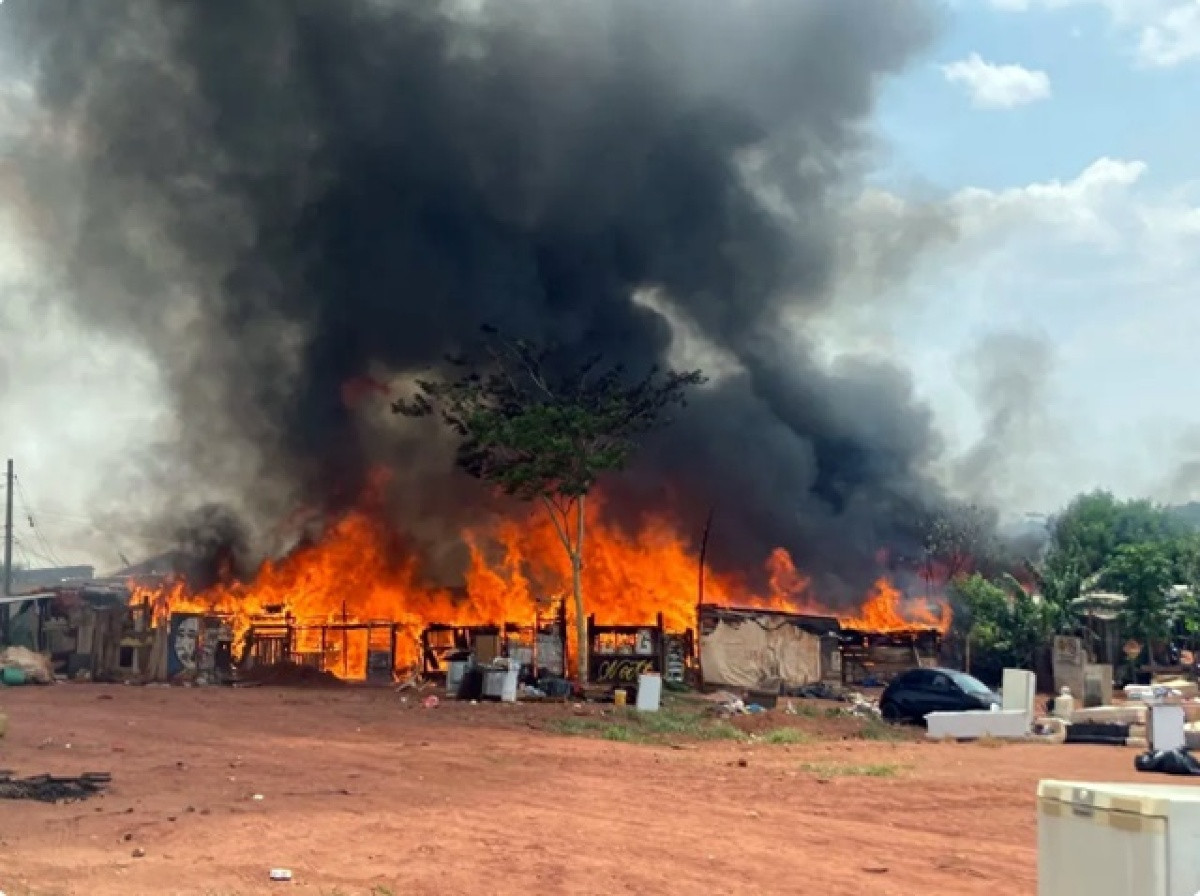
{"type": "Point", "coordinates": [1118, 839]}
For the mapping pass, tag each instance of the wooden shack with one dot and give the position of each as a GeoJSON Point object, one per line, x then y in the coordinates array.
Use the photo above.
{"type": "Point", "coordinates": [768, 650]}
{"type": "Point", "coordinates": [878, 657]}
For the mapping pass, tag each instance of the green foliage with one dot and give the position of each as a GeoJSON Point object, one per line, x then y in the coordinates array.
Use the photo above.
{"type": "Point", "coordinates": [1094, 526]}
{"type": "Point", "coordinates": [783, 736]}
{"type": "Point", "coordinates": [852, 770]}
{"type": "Point", "coordinates": [1005, 623]}
{"type": "Point", "coordinates": [1144, 573]}
{"type": "Point", "coordinates": [672, 723]}
{"type": "Point", "coordinates": [540, 426]}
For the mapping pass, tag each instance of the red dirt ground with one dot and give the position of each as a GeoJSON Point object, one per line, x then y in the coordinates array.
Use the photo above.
{"type": "Point", "coordinates": [363, 794]}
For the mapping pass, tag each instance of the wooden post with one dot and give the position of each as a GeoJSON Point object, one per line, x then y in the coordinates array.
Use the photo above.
{"type": "Point", "coordinates": [392, 661]}
{"type": "Point", "coordinates": [700, 592]}
{"type": "Point", "coordinates": [662, 647]}
{"type": "Point", "coordinates": [591, 625]}
{"type": "Point", "coordinates": [345, 642]}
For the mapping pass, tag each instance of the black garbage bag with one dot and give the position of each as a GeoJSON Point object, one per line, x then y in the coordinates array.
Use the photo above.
{"type": "Point", "coordinates": [1167, 762]}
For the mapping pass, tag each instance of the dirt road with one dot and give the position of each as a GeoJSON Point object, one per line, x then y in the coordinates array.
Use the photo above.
{"type": "Point", "coordinates": [361, 794]}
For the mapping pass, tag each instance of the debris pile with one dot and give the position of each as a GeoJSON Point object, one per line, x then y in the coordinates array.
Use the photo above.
{"type": "Point", "coordinates": [19, 665]}
{"type": "Point", "coordinates": [52, 789]}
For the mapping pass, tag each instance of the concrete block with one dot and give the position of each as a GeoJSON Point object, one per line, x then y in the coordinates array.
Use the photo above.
{"type": "Point", "coordinates": [977, 723]}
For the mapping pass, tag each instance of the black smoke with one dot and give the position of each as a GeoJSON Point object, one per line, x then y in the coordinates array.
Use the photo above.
{"type": "Point", "coordinates": [278, 196]}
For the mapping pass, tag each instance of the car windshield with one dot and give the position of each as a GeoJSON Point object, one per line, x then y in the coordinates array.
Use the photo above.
{"type": "Point", "coordinates": [970, 684]}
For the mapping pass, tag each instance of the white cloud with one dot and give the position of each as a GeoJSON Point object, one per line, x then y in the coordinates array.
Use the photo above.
{"type": "Point", "coordinates": [1100, 265]}
{"type": "Point", "coordinates": [993, 86]}
{"type": "Point", "coordinates": [1165, 33]}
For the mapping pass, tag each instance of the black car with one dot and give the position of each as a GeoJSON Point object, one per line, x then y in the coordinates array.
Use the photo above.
{"type": "Point", "coordinates": [914, 694]}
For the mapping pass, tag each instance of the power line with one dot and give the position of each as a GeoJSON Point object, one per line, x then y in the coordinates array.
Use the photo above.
{"type": "Point", "coordinates": [55, 560]}
{"type": "Point", "coordinates": [60, 522]}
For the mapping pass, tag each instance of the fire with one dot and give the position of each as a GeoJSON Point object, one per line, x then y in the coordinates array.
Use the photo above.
{"type": "Point", "coordinates": [360, 571]}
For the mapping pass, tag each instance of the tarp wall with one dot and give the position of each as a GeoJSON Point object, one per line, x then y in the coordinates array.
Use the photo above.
{"type": "Point", "coordinates": [749, 652]}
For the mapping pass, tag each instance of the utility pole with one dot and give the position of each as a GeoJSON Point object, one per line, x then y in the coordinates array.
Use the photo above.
{"type": "Point", "coordinates": [8, 546]}
{"type": "Point", "coordinates": [8, 530]}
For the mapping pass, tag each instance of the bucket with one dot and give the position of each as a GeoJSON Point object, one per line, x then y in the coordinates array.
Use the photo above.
{"type": "Point", "coordinates": [13, 676]}
{"type": "Point", "coordinates": [649, 694]}
{"type": "Point", "coordinates": [619, 696]}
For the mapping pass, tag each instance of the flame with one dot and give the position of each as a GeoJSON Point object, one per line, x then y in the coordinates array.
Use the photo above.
{"type": "Point", "coordinates": [359, 571]}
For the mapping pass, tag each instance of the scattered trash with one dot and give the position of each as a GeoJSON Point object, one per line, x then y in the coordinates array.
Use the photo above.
{"type": "Point", "coordinates": [531, 693]}
{"type": "Point", "coordinates": [50, 789]}
{"type": "Point", "coordinates": [138, 853]}
{"type": "Point", "coordinates": [430, 702]}
{"type": "Point", "coordinates": [281, 874]}
{"type": "Point", "coordinates": [258, 797]}
{"type": "Point", "coordinates": [413, 682]}
{"type": "Point", "coordinates": [861, 706]}
{"type": "Point", "coordinates": [816, 691]}
{"type": "Point", "coordinates": [26, 666]}
{"type": "Point", "coordinates": [1167, 762]}
{"type": "Point", "coordinates": [727, 704]}
{"type": "Point", "coordinates": [754, 709]}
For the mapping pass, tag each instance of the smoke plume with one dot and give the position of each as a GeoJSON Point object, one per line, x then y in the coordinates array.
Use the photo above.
{"type": "Point", "coordinates": [276, 197]}
{"type": "Point", "coordinates": [1009, 373]}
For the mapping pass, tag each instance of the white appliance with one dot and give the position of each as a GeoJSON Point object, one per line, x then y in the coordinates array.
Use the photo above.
{"type": "Point", "coordinates": [1118, 839]}
{"type": "Point", "coordinates": [501, 684]}
{"type": "Point", "coordinates": [1018, 691]}
{"type": "Point", "coordinates": [1166, 729]}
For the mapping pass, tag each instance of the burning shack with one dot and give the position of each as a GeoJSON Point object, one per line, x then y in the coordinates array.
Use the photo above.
{"type": "Point", "coordinates": [875, 657]}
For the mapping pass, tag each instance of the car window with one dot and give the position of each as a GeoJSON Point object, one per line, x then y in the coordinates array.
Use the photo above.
{"type": "Point", "coordinates": [970, 684]}
{"type": "Point", "coordinates": [940, 683]}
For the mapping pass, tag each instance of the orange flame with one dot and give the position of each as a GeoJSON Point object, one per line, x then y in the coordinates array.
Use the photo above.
{"type": "Point", "coordinates": [359, 571]}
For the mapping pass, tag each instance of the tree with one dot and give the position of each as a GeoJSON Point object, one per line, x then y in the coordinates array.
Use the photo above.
{"type": "Point", "coordinates": [1095, 525]}
{"type": "Point", "coordinates": [1059, 582]}
{"type": "Point", "coordinates": [1003, 620]}
{"type": "Point", "coordinates": [543, 428]}
{"type": "Point", "coordinates": [953, 540]}
{"type": "Point", "coordinates": [982, 611]}
{"type": "Point", "coordinates": [1031, 622]}
{"type": "Point", "coordinates": [1144, 574]}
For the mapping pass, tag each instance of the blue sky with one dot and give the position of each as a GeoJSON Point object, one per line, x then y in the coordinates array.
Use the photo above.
{"type": "Point", "coordinates": [1102, 100]}
{"type": "Point", "coordinates": [1062, 137]}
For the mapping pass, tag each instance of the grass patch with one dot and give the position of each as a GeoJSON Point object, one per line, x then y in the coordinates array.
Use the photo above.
{"type": "Point", "coordinates": [787, 736]}
{"type": "Point", "coordinates": [674, 722]}
{"type": "Point", "coordinates": [879, 730]}
{"type": "Point", "coordinates": [850, 770]}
